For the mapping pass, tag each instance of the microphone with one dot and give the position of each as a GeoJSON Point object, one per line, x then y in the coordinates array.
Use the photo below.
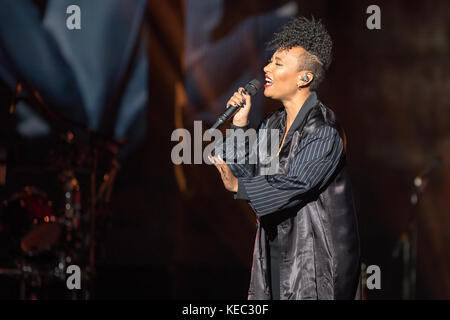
{"type": "Point", "coordinates": [250, 88]}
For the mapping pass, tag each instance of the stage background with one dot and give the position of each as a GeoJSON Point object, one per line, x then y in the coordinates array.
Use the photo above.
{"type": "Point", "coordinates": [140, 69]}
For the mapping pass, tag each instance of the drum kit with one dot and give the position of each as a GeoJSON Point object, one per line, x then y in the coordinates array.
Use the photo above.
{"type": "Point", "coordinates": [42, 232]}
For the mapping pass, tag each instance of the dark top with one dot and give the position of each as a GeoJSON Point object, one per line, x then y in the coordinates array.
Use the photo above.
{"type": "Point", "coordinates": [305, 210]}
{"type": "Point", "coordinates": [312, 163]}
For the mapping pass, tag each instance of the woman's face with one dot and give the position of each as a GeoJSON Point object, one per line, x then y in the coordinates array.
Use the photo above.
{"type": "Point", "coordinates": [282, 73]}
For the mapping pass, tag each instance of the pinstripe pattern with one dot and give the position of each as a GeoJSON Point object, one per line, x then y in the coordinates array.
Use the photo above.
{"type": "Point", "coordinates": [235, 150]}
{"type": "Point", "coordinates": [315, 162]}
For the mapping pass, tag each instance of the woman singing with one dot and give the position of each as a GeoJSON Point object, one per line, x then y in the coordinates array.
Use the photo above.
{"type": "Point", "coordinates": [307, 244]}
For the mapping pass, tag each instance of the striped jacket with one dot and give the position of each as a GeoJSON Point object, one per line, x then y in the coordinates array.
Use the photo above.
{"type": "Point", "coordinates": [307, 205]}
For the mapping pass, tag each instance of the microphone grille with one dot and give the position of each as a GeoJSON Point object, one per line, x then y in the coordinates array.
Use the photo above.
{"type": "Point", "coordinates": [252, 87]}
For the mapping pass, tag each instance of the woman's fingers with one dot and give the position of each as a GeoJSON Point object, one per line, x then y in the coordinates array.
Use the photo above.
{"type": "Point", "coordinates": [218, 163]}
{"type": "Point", "coordinates": [225, 173]}
{"type": "Point", "coordinates": [234, 101]}
{"type": "Point", "coordinates": [238, 98]}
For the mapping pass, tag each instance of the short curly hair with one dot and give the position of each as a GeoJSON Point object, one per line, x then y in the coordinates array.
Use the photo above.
{"type": "Point", "coordinates": [312, 36]}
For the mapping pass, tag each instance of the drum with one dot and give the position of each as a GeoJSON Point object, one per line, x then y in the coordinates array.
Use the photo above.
{"type": "Point", "coordinates": [29, 220]}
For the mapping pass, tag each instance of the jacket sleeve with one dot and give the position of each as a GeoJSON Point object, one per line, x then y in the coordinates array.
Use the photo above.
{"type": "Point", "coordinates": [236, 152]}
{"type": "Point", "coordinates": [313, 165]}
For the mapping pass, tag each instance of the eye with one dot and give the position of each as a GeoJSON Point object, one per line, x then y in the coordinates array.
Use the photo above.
{"type": "Point", "coordinates": [269, 61]}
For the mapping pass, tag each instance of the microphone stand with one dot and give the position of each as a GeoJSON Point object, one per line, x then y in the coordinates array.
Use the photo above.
{"type": "Point", "coordinates": [407, 241]}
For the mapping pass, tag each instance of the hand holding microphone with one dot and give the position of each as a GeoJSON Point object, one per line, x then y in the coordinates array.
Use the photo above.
{"type": "Point", "coordinates": [243, 100]}
{"type": "Point", "coordinates": [239, 105]}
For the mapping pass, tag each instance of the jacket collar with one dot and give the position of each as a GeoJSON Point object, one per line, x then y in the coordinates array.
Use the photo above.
{"type": "Point", "coordinates": [309, 103]}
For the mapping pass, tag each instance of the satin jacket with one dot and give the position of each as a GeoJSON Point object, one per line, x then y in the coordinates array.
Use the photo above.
{"type": "Point", "coordinates": [317, 227]}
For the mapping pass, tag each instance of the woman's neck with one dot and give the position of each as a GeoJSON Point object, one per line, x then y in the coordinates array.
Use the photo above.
{"type": "Point", "coordinates": [294, 105]}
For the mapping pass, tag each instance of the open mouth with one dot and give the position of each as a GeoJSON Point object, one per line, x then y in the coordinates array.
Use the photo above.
{"type": "Point", "coordinates": [269, 81]}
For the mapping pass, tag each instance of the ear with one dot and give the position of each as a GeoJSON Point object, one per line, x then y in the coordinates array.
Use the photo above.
{"type": "Point", "coordinates": [304, 78]}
